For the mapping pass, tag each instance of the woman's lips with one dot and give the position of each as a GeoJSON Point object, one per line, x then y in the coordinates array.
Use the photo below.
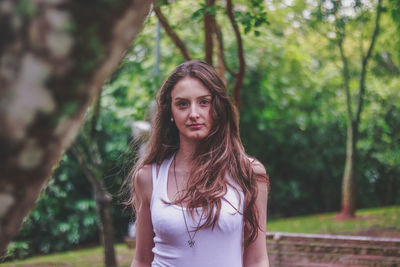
{"type": "Point", "coordinates": [195, 126]}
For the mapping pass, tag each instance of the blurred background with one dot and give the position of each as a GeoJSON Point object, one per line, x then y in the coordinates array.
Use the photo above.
{"type": "Point", "coordinates": [303, 63]}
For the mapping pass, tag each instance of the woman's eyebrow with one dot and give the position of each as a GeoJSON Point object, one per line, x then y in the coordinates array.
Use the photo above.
{"type": "Point", "coordinates": [183, 98]}
{"type": "Point", "coordinates": [179, 98]}
{"type": "Point", "coordinates": [202, 96]}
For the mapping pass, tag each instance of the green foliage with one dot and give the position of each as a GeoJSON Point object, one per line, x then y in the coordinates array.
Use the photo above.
{"type": "Point", "coordinates": [199, 13]}
{"type": "Point", "coordinates": [293, 113]}
{"type": "Point", "coordinates": [62, 217]}
{"type": "Point", "coordinates": [284, 130]}
{"type": "Point", "coordinates": [65, 215]}
{"type": "Point", "coordinates": [26, 8]}
{"type": "Point", "coordinates": [394, 6]}
{"type": "Point", "coordinates": [17, 250]}
{"type": "Point", "coordinates": [251, 20]}
{"type": "Point", "coordinates": [394, 10]}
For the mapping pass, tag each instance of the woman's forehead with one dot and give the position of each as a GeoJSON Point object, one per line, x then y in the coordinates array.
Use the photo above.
{"type": "Point", "coordinates": [189, 88]}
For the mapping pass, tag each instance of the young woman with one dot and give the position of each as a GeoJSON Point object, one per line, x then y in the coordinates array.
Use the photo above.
{"type": "Point", "coordinates": [200, 200]}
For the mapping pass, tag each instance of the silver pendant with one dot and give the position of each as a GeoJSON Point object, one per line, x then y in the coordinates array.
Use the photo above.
{"type": "Point", "coordinates": [191, 243]}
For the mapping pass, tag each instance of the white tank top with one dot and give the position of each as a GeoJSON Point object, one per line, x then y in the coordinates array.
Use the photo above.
{"type": "Point", "coordinates": [218, 247]}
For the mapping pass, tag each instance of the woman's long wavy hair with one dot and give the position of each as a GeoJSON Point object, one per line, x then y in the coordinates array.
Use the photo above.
{"type": "Point", "coordinates": [221, 152]}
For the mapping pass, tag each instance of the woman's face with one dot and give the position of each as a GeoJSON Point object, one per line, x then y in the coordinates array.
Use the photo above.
{"type": "Point", "coordinates": [191, 108]}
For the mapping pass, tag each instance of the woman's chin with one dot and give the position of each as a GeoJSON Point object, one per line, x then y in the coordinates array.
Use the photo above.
{"type": "Point", "coordinates": [196, 137]}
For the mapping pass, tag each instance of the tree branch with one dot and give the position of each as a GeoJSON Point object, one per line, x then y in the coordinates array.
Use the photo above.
{"type": "Point", "coordinates": [95, 116]}
{"type": "Point", "coordinates": [240, 74]}
{"type": "Point", "coordinates": [365, 61]}
{"type": "Point", "coordinates": [220, 46]}
{"type": "Point", "coordinates": [208, 19]}
{"type": "Point", "coordinates": [87, 167]}
{"type": "Point", "coordinates": [361, 42]}
{"type": "Point", "coordinates": [346, 78]}
{"type": "Point", "coordinates": [172, 34]}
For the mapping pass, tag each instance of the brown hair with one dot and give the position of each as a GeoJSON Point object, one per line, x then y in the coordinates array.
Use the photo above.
{"type": "Point", "coordinates": [221, 152]}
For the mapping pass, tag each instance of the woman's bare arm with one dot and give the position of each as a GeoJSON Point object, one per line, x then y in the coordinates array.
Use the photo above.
{"type": "Point", "coordinates": [144, 227]}
{"type": "Point", "coordinates": [255, 255]}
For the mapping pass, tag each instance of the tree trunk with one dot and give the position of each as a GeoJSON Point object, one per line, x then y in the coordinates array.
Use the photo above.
{"type": "Point", "coordinates": [208, 32]}
{"type": "Point", "coordinates": [349, 179]}
{"type": "Point", "coordinates": [239, 76]}
{"type": "Point", "coordinates": [54, 59]}
{"type": "Point", "coordinates": [91, 166]}
{"type": "Point", "coordinates": [103, 202]}
{"type": "Point", "coordinates": [221, 64]}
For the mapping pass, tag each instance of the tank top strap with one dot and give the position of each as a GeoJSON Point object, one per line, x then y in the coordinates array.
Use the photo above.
{"type": "Point", "coordinates": [160, 179]}
{"type": "Point", "coordinates": [154, 174]}
{"type": "Point", "coordinates": [164, 168]}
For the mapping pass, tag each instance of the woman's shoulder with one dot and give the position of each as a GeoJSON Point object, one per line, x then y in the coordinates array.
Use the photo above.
{"type": "Point", "coordinates": [142, 179]}
{"type": "Point", "coordinates": [257, 166]}
{"type": "Point", "coordinates": [145, 170]}
{"type": "Point", "coordinates": [261, 177]}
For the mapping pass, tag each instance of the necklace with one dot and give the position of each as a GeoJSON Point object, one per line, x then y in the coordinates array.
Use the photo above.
{"type": "Point", "coordinates": [191, 240]}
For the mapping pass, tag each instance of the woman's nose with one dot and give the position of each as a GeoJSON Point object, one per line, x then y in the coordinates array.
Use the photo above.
{"type": "Point", "coordinates": [194, 114]}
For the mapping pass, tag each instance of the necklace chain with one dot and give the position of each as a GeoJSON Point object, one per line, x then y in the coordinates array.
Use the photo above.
{"type": "Point", "coordinates": [191, 240]}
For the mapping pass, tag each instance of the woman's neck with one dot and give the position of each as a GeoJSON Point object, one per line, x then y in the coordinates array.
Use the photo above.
{"type": "Point", "coordinates": [186, 152]}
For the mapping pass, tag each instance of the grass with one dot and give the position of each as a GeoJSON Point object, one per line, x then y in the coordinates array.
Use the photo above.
{"type": "Point", "coordinates": [373, 222]}
{"type": "Point", "coordinates": [383, 221]}
{"type": "Point", "coordinates": [92, 257]}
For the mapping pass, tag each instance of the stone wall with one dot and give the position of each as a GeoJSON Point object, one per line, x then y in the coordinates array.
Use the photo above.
{"type": "Point", "coordinates": [285, 249]}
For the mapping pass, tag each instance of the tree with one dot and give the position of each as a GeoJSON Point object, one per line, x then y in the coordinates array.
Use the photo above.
{"type": "Point", "coordinates": [54, 59]}
{"type": "Point", "coordinates": [213, 34]}
{"type": "Point", "coordinates": [345, 15]}
{"type": "Point", "coordinates": [353, 119]}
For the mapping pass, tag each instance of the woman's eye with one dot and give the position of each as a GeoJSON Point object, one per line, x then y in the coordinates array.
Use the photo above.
{"type": "Point", "coordinates": [182, 104]}
{"type": "Point", "coordinates": [204, 102]}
